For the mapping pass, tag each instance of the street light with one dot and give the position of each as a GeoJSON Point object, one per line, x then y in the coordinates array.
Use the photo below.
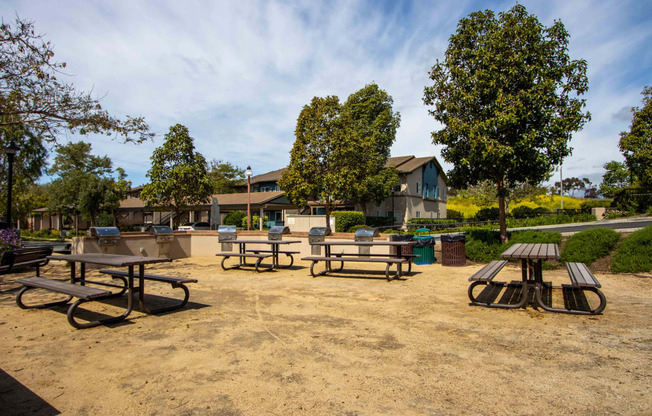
{"type": "Point", "coordinates": [248, 174]}
{"type": "Point", "coordinates": [10, 151]}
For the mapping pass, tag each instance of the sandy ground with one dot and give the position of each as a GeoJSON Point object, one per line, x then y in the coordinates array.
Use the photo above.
{"type": "Point", "coordinates": [284, 343]}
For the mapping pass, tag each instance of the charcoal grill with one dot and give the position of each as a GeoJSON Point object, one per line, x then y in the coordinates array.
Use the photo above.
{"type": "Point", "coordinates": [163, 233]}
{"type": "Point", "coordinates": [317, 235]}
{"type": "Point", "coordinates": [226, 234]}
{"type": "Point", "coordinates": [365, 234]}
{"type": "Point", "coordinates": [276, 232]}
{"type": "Point", "coordinates": [106, 236]}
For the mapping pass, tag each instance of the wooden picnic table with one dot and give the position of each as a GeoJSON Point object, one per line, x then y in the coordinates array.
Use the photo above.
{"type": "Point", "coordinates": [244, 253]}
{"type": "Point", "coordinates": [396, 258]}
{"type": "Point", "coordinates": [77, 286]}
{"type": "Point", "coordinates": [531, 256]}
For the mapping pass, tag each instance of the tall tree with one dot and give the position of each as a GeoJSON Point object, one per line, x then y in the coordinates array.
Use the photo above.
{"type": "Point", "coordinates": [29, 165]}
{"type": "Point", "coordinates": [616, 176]}
{"type": "Point", "coordinates": [225, 176]}
{"type": "Point", "coordinates": [84, 182]}
{"type": "Point", "coordinates": [636, 145]}
{"type": "Point", "coordinates": [318, 169]}
{"type": "Point", "coordinates": [369, 116]}
{"type": "Point", "coordinates": [507, 95]}
{"type": "Point", "coordinates": [178, 175]}
{"type": "Point", "coordinates": [31, 95]}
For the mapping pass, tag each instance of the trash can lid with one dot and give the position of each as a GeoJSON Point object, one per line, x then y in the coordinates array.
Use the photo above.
{"type": "Point", "coordinates": [422, 230]}
{"type": "Point", "coordinates": [453, 237]}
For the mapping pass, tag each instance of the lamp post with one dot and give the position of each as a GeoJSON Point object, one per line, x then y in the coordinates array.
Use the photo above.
{"type": "Point", "coordinates": [248, 174]}
{"type": "Point", "coordinates": [10, 151]}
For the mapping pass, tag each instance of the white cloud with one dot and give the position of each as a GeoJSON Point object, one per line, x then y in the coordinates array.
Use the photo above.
{"type": "Point", "coordinates": [238, 73]}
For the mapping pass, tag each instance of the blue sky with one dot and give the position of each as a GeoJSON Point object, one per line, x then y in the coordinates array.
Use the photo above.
{"type": "Point", "coordinates": [237, 73]}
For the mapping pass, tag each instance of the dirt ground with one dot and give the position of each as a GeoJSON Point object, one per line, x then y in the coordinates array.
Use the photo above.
{"type": "Point", "coordinates": [284, 343]}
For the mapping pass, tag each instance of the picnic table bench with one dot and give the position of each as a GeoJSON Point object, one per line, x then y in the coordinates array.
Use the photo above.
{"type": "Point", "coordinates": [84, 293]}
{"type": "Point", "coordinates": [175, 282]}
{"type": "Point", "coordinates": [288, 253]}
{"type": "Point", "coordinates": [485, 277]}
{"type": "Point", "coordinates": [25, 257]}
{"type": "Point", "coordinates": [340, 258]}
{"type": "Point", "coordinates": [581, 280]}
{"type": "Point", "coordinates": [259, 257]}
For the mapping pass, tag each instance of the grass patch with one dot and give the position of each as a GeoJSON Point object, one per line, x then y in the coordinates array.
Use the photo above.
{"type": "Point", "coordinates": [589, 245]}
{"type": "Point", "coordinates": [635, 253]}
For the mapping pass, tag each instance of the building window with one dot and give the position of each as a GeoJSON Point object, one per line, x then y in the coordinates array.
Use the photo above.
{"type": "Point", "coordinates": [418, 186]}
{"type": "Point", "coordinates": [379, 213]}
{"type": "Point", "coordinates": [418, 214]}
{"type": "Point", "coordinates": [432, 215]}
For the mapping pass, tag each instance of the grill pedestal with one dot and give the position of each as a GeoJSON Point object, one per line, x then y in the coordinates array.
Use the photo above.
{"type": "Point", "coordinates": [164, 238]}
{"type": "Point", "coordinates": [365, 234]}
{"type": "Point", "coordinates": [317, 235]}
{"type": "Point", "coordinates": [226, 234]}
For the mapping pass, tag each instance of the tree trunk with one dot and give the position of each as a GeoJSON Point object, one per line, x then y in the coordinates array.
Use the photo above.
{"type": "Point", "coordinates": [501, 212]}
{"type": "Point", "coordinates": [328, 217]}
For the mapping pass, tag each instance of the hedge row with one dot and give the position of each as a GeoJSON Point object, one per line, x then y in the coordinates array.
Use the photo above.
{"type": "Point", "coordinates": [589, 245]}
{"type": "Point", "coordinates": [635, 253]}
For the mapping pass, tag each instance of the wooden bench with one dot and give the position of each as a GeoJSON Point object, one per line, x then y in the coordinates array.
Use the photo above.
{"type": "Point", "coordinates": [342, 259]}
{"type": "Point", "coordinates": [83, 293]}
{"type": "Point", "coordinates": [409, 257]}
{"type": "Point", "coordinates": [582, 280]}
{"type": "Point", "coordinates": [259, 257]}
{"type": "Point", "coordinates": [288, 253]}
{"type": "Point", "coordinates": [175, 282]}
{"type": "Point", "coordinates": [25, 257]}
{"type": "Point", "coordinates": [485, 277]}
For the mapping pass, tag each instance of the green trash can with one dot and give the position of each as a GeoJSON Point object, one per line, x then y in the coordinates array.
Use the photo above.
{"type": "Point", "coordinates": [425, 247]}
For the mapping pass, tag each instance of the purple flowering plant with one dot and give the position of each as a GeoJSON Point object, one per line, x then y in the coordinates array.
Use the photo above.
{"type": "Point", "coordinates": [10, 240]}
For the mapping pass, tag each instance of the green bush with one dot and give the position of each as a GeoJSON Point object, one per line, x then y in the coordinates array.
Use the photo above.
{"type": "Point", "coordinates": [234, 218]}
{"type": "Point", "coordinates": [539, 211]}
{"type": "Point", "coordinates": [487, 214]}
{"type": "Point", "coordinates": [522, 212]}
{"type": "Point", "coordinates": [635, 253]}
{"type": "Point", "coordinates": [534, 236]}
{"type": "Point", "coordinates": [484, 246]}
{"type": "Point", "coordinates": [636, 199]}
{"type": "Point", "coordinates": [590, 245]}
{"type": "Point", "coordinates": [344, 220]}
{"type": "Point", "coordinates": [597, 203]}
{"type": "Point", "coordinates": [454, 215]}
{"type": "Point", "coordinates": [356, 227]}
{"type": "Point", "coordinates": [374, 222]}
{"type": "Point", "coordinates": [255, 222]}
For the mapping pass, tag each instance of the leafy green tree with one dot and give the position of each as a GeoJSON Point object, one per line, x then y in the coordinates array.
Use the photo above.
{"type": "Point", "coordinates": [507, 95]}
{"type": "Point", "coordinates": [29, 165]}
{"type": "Point", "coordinates": [224, 176]}
{"type": "Point", "coordinates": [84, 182]}
{"type": "Point", "coordinates": [32, 96]}
{"type": "Point", "coordinates": [179, 176]}
{"type": "Point", "coordinates": [318, 169]}
{"type": "Point", "coordinates": [616, 176]}
{"type": "Point", "coordinates": [368, 115]}
{"type": "Point", "coordinates": [636, 145]}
